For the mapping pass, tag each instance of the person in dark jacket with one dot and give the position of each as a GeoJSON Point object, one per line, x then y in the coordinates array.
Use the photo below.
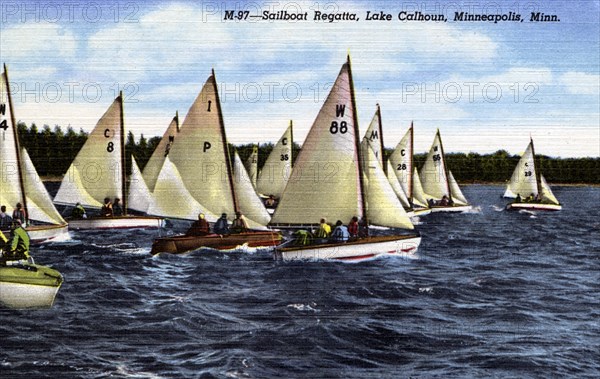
{"type": "Point", "coordinates": [200, 227]}
{"type": "Point", "coordinates": [221, 226]}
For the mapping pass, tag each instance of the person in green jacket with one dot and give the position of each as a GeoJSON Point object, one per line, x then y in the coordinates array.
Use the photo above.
{"type": "Point", "coordinates": [78, 212]}
{"type": "Point", "coordinates": [19, 244]}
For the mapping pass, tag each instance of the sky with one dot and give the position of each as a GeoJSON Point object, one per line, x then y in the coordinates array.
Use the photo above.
{"type": "Point", "coordinates": [487, 86]}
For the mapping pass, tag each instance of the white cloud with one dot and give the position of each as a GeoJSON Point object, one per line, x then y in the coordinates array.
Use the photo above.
{"type": "Point", "coordinates": [38, 40]}
{"type": "Point", "coordinates": [580, 83]}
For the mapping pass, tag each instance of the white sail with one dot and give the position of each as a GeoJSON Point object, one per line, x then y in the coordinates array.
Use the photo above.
{"type": "Point", "coordinates": [523, 180]}
{"type": "Point", "coordinates": [199, 153]}
{"type": "Point", "coordinates": [401, 161]}
{"type": "Point", "coordinates": [419, 196]}
{"type": "Point", "coordinates": [383, 206]}
{"type": "Point", "coordinates": [375, 137]}
{"type": "Point", "coordinates": [250, 204]}
{"type": "Point", "coordinates": [278, 167]}
{"type": "Point", "coordinates": [457, 195]}
{"type": "Point", "coordinates": [96, 171]}
{"type": "Point", "coordinates": [325, 181]}
{"type": "Point", "coordinates": [139, 195]}
{"type": "Point", "coordinates": [171, 198]}
{"type": "Point", "coordinates": [252, 165]}
{"type": "Point", "coordinates": [155, 163]}
{"type": "Point", "coordinates": [546, 193]}
{"type": "Point", "coordinates": [396, 186]}
{"type": "Point", "coordinates": [433, 174]}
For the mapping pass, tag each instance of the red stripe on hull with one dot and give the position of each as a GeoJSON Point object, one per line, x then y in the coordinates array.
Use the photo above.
{"type": "Point", "coordinates": [355, 258]}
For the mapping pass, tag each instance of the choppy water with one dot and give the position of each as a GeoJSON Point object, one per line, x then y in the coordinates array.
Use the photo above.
{"type": "Point", "coordinates": [490, 294]}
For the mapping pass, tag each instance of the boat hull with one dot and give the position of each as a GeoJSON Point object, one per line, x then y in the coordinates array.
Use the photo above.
{"type": "Point", "coordinates": [363, 249]}
{"type": "Point", "coordinates": [118, 222]}
{"type": "Point", "coordinates": [41, 233]}
{"type": "Point", "coordinates": [182, 244]}
{"type": "Point", "coordinates": [28, 286]}
{"type": "Point", "coordinates": [457, 208]}
{"type": "Point", "coordinates": [534, 207]}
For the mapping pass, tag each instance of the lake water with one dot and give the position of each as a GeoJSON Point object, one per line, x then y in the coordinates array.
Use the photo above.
{"type": "Point", "coordinates": [489, 294]}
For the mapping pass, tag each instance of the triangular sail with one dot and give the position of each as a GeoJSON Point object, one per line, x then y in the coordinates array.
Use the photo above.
{"type": "Point", "coordinates": [383, 206]}
{"type": "Point", "coordinates": [457, 195]}
{"type": "Point", "coordinates": [402, 162]}
{"type": "Point", "coordinates": [199, 150]}
{"type": "Point", "coordinates": [375, 136]}
{"type": "Point", "coordinates": [433, 174]}
{"type": "Point", "coordinates": [419, 196]}
{"type": "Point", "coordinates": [139, 195]}
{"type": "Point", "coordinates": [523, 180]}
{"type": "Point", "coordinates": [172, 199]}
{"type": "Point", "coordinates": [96, 171]}
{"type": "Point", "coordinates": [546, 193]}
{"type": "Point", "coordinates": [396, 186]}
{"type": "Point", "coordinates": [155, 163]}
{"type": "Point", "coordinates": [252, 165]}
{"type": "Point", "coordinates": [278, 167]}
{"type": "Point", "coordinates": [250, 204]}
{"type": "Point", "coordinates": [325, 181]}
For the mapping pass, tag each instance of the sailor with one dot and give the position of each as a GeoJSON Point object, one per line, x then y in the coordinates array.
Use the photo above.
{"type": "Point", "coordinates": [239, 224]}
{"type": "Point", "coordinates": [19, 243]}
{"type": "Point", "coordinates": [270, 202]}
{"type": "Point", "coordinates": [363, 228]}
{"type": "Point", "coordinates": [353, 227]}
{"type": "Point", "coordinates": [78, 212]}
{"type": "Point", "coordinates": [106, 210]}
{"type": "Point", "coordinates": [116, 207]}
{"type": "Point", "coordinates": [221, 226]}
{"type": "Point", "coordinates": [20, 214]}
{"type": "Point", "coordinates": [199, 227]}
{"type": "Point", "coordinates": [530, 198]}
{"type": "Point", "coordinates": [5, 219]}
{"type": "Point", "coordinates": [518, 199]}
{"type": "Point", "coordinates": [340, 233]}
{"type": "Point", "coordinates": [324, 230]}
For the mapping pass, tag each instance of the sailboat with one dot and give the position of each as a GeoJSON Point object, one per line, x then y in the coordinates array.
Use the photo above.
{"type": "Point", "coordinates": [439, 183]}
{"type": "Point", "coordinates": [20, 180]}
{"type": "Point", "coordinates": [405, 173]}
{"type": "Point", "coordinates": [328, 182]}
{"type": "Point", "coordinates": [201, 163]}
{"type": "Point", "coordinates": [277, 169]}
{"type": "Point", "coordinates": [98, 172]}
{"type": "Point", "coordinates": [25, 285]}
{"type": "Point", "coordinates": [529, 186]}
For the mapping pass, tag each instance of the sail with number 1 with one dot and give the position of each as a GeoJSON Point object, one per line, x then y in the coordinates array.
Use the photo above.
{"type": "Point", "coordinates": [98, 173]}
{"type": "Point", "coordinates": [329, 182]}
{"type": "Point", "coordinates": [20, 180]}
{"type": "Point", "coordinates": [529, 187]}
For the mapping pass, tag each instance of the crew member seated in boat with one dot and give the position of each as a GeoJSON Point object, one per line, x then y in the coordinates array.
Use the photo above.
{"type": "Point", "coordinates": [116, 207]}
{"type": "Point", "coordinates": [518, 198]}
{"type": "Point", "coordinates": [324, 230]}
{"type": "Point", "coordinates": [302, 237]}
{"type": "Point", "coordinates": [18, 247]}
{"type": "Point", "coordinates": [20, 214]}
{"type": "Point", "coordinates": [78, 212]}
{"type": "Point", "coordinates": [353, 227]}
{"type": "Point", "coordinates": [199, 227]}
{"type": "Point", "coordinates": [444, 202]}
{"type": "Point", "coordinates": [270, 202]}
{"type": "Point", "coordinates": [239, 224]}
{"type": "Point", "coordinates": [340, 233]}
{"type": "Point", "coordinates": [106, 210]}
{"type": "Point", "coordinates": [530, 198]}
{"type": "Point", "coordinates": [5, 219]}
{"type": "Point", "coordinates": [221, 226]}
{"type": "Point", "coordinates": [363, 228]}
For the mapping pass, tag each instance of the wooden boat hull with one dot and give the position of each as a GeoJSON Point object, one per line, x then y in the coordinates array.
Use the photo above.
{"type": "Point", "coordinates": [181, 244]}
{"type": "Point", "coordinates": [363, 249]}
{"type": "Point", "coordinates": [117, 222]}
{"type": "Point", "coordinates": [534, 207]}
{"type": "Point", "coordinates": [28, 286]}
{"type": "Point", "coordinates": [456, 208]}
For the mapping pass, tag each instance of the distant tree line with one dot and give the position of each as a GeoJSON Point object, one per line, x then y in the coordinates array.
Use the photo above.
{"type": "Point", "coordinates": [52, 150]}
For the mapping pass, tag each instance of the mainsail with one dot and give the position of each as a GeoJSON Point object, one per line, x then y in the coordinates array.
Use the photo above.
{"type": "Point", "coordinates": [97, 171]}
{"type": "Point", "coordinates": [401, 161]}
{"type": "Point", "coordinates": [278, 167]}
{"type": "Point", "coordinates": [201, 156]}
{"type": "Point", "coordinates": [156, 161]}
{"type": "Point", "coordinates": [139, 196]}
{"type": "Point", "coordinates": [20, 180]}
{"type": "Point", "coordinates": [252, 165]}
{"type": "Point", "coordinates": [434, 174]}
{"type": "Point", "coordinates": [523, 180]}
{"type": "Point", "coordinates": [374, 135]}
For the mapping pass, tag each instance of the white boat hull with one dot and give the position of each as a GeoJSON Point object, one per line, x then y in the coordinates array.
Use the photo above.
{"type": "Point", "coordinates": [120, 222]}
{"type": "Point", "coordinates": [534, 206]}
{"type": "Point", "coordinates": [41, 233]}
{"type": "Point", "coordinates": [21, 296]}
{"type": "Point", "coordinates": [363, 249]}
{"type": "Point", "coordinates": [460, 208]}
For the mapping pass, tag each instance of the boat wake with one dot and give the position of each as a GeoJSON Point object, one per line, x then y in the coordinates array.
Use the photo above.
{"type": "Point", "coordinates": [473, 210]}
{"type": "Point", "coordinates": [497, 208]}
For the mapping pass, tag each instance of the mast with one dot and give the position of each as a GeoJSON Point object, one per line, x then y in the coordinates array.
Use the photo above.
{"type": "Point", "coordinates": [445, 166]}
{"type": "Point", "coordinates": [123, 166]}
{"type": "Point", "coordinates": [291, 146]}
{"type": "Point", "coordinates": [17, 143]}
{"type": "Point", "coordinates": [357, 145]}
{"type": "Point", "coordinates": [412, 149]}
{"type": "Point", "coordinates": [537, 175]}
{"type": "Point", "coordinates": [384, 167]}
{"type": "Point", "coordinates": [176, 119]}
{"type": "Point", "coordinates": [225, 145]}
